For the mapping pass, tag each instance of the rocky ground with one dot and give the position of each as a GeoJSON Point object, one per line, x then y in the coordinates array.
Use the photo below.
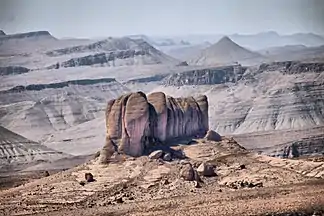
{"type": "Point", "coordinates": [232, 181]}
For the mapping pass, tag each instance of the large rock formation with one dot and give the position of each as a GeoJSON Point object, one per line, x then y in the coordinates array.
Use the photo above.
{"type": "Point", "coordinates": [135, 120]}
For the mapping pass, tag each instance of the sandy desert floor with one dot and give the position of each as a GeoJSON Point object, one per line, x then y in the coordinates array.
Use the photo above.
{"type": "Point", "coordinates": [145, 186]}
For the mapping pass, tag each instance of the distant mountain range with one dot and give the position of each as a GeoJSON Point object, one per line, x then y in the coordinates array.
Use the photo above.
{"type": "Point", "coordinates": [79, 52]}
{"type": "Point", "coordinates": [255, 41]}
{"type": "Point", "coordinates": [271, 39]}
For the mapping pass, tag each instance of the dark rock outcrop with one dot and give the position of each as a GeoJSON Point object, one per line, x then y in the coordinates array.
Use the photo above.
{"type": "Point", "coordinates": [292, 67]}
{"type": "Point", "coordinates": [135, 121]}
{"type": "Point", "coordinates": [39, 87]}
{"type": "Point", "coordinates": [11, 70]}
{"type": "Point", "coordinates": [107, 151]}
{"type": "Point", "coordinates": [184, 63]}
{"type": "Point", "coordinates": [209, 76]}
{"type": "Point", "coordinates": [313, 145]}
{"type": "Point", "coordinates": [2, 33]}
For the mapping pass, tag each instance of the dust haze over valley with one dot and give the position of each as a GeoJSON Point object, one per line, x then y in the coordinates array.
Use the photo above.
{"type": "Point", "coordinates": [174, 107]}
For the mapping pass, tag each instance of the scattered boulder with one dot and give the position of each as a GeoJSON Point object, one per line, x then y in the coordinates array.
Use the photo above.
{"type": "Point", "coordinates": [167, 157]}
{"type": "Point", "coordinates": [206, 170]}
{"type": "Point", "coordinates": [184, 63]}
{"type": "Point", "coordinates": [96, 155]}
{"type": "Point", "coordinates": [243, 184]}
{"type": "Point", "coordinates": [89, 177]}
{"type": "Point", "coordinates": [213, 136]}
{"type": "Point", "coordinates": [156, 154]}
{"type": "Point", "coordinates": [46, 173]}
{"type": "Point", "coordinates": [242, 166]}
{"type": "Point", "coordinates": [187, 172]}
{"type": "Point", "coordinates": [82, 183]}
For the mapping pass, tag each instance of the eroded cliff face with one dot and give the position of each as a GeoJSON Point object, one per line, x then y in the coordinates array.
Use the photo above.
{"type": "Point", "coordinates": [135, 121]}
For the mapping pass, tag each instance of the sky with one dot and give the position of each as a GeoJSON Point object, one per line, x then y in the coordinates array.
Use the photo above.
{"type": "Point", "coordinates": [101, 18]}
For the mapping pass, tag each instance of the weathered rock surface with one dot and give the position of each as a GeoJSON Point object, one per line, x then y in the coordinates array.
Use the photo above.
{"type": "Point", "coordinates": [134, 121]}
{"type": "Point", "coordinates": [107, 151]}
{"type": "Point", "coordinates": [58, 85]}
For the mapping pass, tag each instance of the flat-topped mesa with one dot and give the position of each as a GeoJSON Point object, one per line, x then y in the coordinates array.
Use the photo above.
{"type": "Point", "coordinates": [135, 121]}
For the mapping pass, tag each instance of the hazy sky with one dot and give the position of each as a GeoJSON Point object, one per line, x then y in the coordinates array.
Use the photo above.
{"type": "Point", "coordinates": [92, 18]}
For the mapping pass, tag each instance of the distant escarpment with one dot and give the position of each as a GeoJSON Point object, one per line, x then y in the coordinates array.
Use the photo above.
{"type": "Point", "coordinates": [135, 121]}
{"type": "Point", "coordinates": [35, 34]}
{"type": "Point", "coordinates": [209, 76]}
{"type": "Point", "coordinates": [112, 52]}
{"type": "Point", "coordinates": [16, 149]}
{"type": "Point", "coordinates": [292, 67]}
{"type": "Point", "coordinates": [11, 70]}
{"type": "Point", "coordinates": [99, 58]}
{"type": "Point", "coordinates": [110, 44]}
{"type": "Point", "coordinates": [39, 87]}
{"type": "Point", "coordinates": [313, 145]}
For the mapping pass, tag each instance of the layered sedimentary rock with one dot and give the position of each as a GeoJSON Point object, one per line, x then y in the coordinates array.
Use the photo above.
{"type": "Point", "coordinates": [312, 145]}
{"type": "Point", "coordinates": [12, 70]}
{"type": "Point", "coordinates": [134, 121]}
{"type": "Point", "coordinates": [208, 76]}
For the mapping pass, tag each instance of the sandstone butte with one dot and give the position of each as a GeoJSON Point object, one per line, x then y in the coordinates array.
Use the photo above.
{"type": "Point", "coordinates": [135, 121]}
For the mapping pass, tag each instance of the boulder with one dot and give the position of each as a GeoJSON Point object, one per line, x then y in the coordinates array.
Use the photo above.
{"type": "Point", "coordinates": [46, 173]}
{"type": "Point", "coordinates": [206, 170]}
{"type": "Point", "coordinates": [88, 177]}
{"type": "Point", "coordinates": [156, 154]}
{"type": "Point", "coordinates": [187, 172]}
{"type": "Point", "coordinates": [213, 136]}
{"type": "Point", "coordinates": [167, 157]}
